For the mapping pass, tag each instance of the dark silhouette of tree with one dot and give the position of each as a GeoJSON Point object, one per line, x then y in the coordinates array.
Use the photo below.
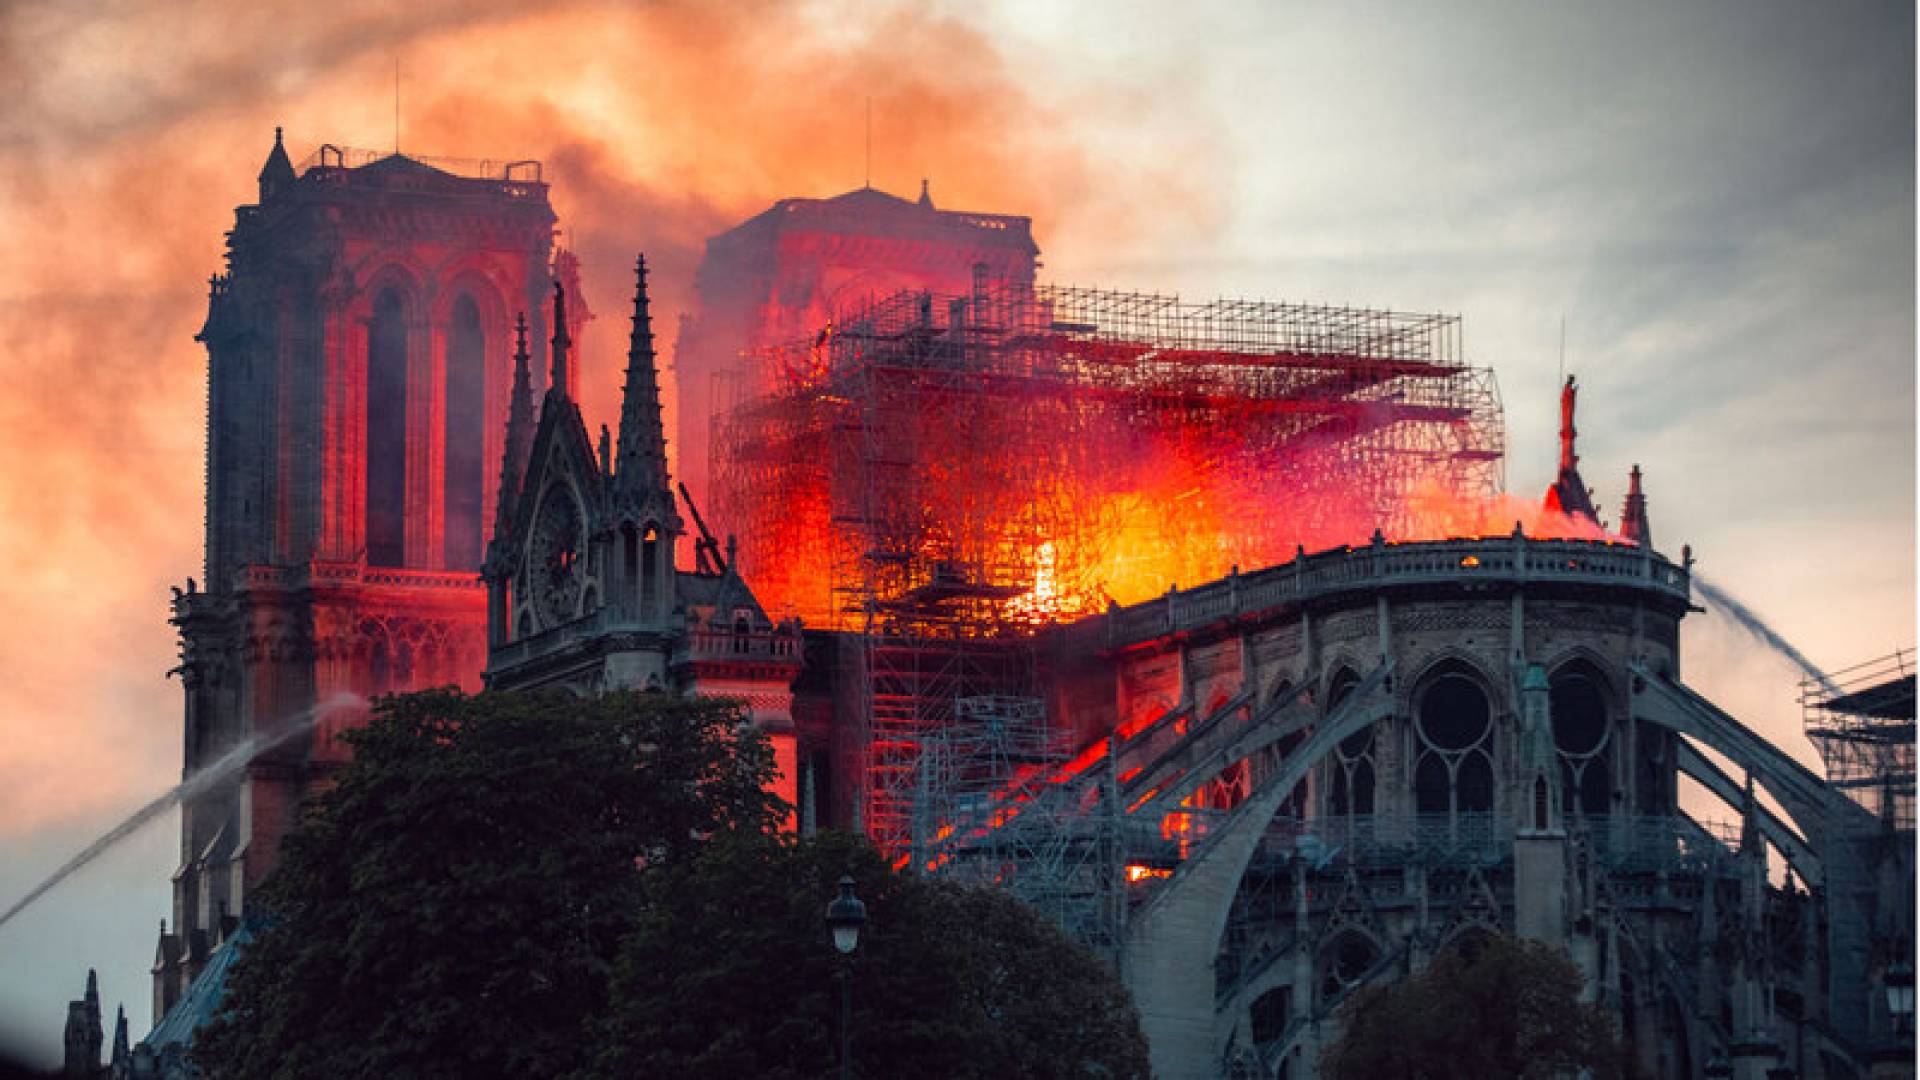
{"type": "Point", "coordinates": [732, 974]}
{"type": "Point", "coordinates": [453, 905]}
{"type": "Point", "coordinates": [1504, 1008]}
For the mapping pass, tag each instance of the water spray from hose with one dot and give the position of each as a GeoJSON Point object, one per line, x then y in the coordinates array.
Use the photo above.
{"type": "Point", "coordinates": [225, 766]}
{"type": "Point", "coordinates": [1755, 625]}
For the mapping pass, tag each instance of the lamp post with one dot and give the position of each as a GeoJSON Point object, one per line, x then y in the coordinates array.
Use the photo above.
{"type": "Point", "coordinates": [845, 916]}
{"type": "Point", "coordinates": [1894, 1056]}
{"type": "Point", "coordinates": [1899, 985]}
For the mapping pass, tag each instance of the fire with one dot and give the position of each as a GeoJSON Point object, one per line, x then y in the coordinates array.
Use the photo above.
{"type": "Point", "coordinates": [897, 473]}
{"type": "Point", "coordinates": [1137, 872]}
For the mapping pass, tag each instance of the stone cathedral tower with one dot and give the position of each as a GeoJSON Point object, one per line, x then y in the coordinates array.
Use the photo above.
{"type": "Point", "coordinates": [359, 353]}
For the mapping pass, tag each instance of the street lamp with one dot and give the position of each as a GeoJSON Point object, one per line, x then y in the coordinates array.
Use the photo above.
{"type": "Point", "coordinates": [1898, 981]}
{"type": "Point", "coordinates": [845, 916]}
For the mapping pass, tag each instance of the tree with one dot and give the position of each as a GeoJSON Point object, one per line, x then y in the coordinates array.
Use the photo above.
{"type": "Point", "coordinates": [1507, 1008]}
{"type": "Point", "coordinates": [452, 906]}
{"type": "Point", "coordinates": [731, 974]}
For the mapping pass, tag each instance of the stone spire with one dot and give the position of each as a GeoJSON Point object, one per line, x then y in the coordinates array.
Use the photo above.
{"type": "Point", "coordinates": [1568, 495]}
{"type": "Point", "coordinates": [557, 378]}
{"type": "Point", "coordinates": [1633, 516]}
{"type": "Point", "coordinates": [640, 471]}
{"type": "Point", "coordinates": [277, 174]}
{"type": "Point", "coordinates": [519, 433]}
{"type": "Point", "coordinates": [122, 1053]}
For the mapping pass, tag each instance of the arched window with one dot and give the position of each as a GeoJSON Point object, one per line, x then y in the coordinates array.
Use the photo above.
{"type": "Point", "coordinates": [386, 508]}
{"type": "Point", "coordinates": [1270, 1013]}
{"type": "Point", "coordinates": [1453, 770]}
{"type": "Point", "coordinates": [464, 472]}
{"type": "Point", "coordinates": [650, 572]}
{"type": "Point", "coordinates": [1345, 963]}
{"type": "Point", "coordinates": [1350, 768]}
{"type": "Point", "coordinates": [1578, 700]}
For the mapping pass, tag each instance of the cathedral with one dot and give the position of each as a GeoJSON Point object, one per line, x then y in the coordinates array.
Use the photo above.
{"type": "Point", "coordinates": [1253, 795]}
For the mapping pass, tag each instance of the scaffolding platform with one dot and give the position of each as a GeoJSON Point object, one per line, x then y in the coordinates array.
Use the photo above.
{"type": "Point", "coordinates": [1862, 721]}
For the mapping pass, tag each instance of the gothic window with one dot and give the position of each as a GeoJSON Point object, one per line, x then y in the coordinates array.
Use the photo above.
{"type": "Point", "coordinates": [386, 457]}
{"type": "Point", "coordinates": [650, 571]}
{"type": "Point", "coordinates": [1578, 701]}
{"type": "Point", "coordinates": [1351, 769]}
{"type": "Point", "coordinates": [1345, 963]}
{"type": "Point", "coordinates": [465, 451]}
{"type": "Point", "coordinates": [1270, 1013]}
{"type": "Point", "coordinates": [1453, 768]}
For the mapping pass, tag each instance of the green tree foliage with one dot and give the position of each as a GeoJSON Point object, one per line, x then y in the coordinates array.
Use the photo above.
{"type": "Point", "coordinates": [452, 906]}
{"type": "Point", "coordinates": [732, 974]}
{"type": "Point", "coordinates": [1508, 1008]}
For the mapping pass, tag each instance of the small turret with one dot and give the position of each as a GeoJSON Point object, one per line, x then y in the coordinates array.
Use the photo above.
{"type": "Point", "coordinates": [1539, 798]}
{"type": "Point", "coordinates": [84, 1034]}
{"type": "Point", "coordinates": [1633, 516]}
{"type": "Point", "coordinates": [557, 375]}
{"type": "Point", "coordinates": [277, 174]}
{"type": "Point", "coordinates": [926, 197]}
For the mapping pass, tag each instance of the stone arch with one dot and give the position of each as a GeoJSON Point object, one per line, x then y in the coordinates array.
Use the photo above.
{"type": "Point", "coordinates": [1333, 666]}
{"type": "Point", "coordinates": [1343, 962]}
{"type": "Point", "coordinates": [1175, 934]}
{"type": "Point", "coordinates": [1465, 936]}
{"type": "Point", "coordinates": [1452, 655]}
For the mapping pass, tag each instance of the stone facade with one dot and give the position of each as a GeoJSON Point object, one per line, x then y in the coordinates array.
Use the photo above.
{"type": "Point", "coordinates": [583, 594]}
{"type": "Point", "coordinates": [358, 375]}
{"type": "Point", "coordinates": [1325, 773]}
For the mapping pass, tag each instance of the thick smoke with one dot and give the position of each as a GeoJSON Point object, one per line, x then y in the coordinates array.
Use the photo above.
{"type": "Point", "coordinates": [659, 125]}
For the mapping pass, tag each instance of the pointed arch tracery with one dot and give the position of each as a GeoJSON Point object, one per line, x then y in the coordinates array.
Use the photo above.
{"type": "Point", "coordinates": [389, 327]}
{"type": "Point", "coordinates": [1453, 732]}
{"type": "Point", "coordinates": [1580, 702]}
{"type": "Point", "coordinates": [472, 322]}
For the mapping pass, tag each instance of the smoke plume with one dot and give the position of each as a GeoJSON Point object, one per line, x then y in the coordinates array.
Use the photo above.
{"type": "Point", "coordinates": [658, 125]}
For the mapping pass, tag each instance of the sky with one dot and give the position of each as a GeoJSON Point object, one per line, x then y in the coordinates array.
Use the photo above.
{"type": "Point", "coordinates": [1716, 201]}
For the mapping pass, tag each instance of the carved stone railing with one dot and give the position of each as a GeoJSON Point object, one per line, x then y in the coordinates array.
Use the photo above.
{"type": "Point", "coordinates": [1511, 560]}
{"type": "Point", "coordinates": [332, 574]}
{"type": "Point", "coordinates": [726, 645]}
{"type": "Point", "coordinates": [552, 639]}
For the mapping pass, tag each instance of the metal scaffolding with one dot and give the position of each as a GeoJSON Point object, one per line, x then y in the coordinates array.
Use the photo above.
{"type": "Point", "coordinates": [1862, 719]}
{"type": "Point", "coordinates": [946, 474]}
{"type": "Point", "coordinates": [991, 808]}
